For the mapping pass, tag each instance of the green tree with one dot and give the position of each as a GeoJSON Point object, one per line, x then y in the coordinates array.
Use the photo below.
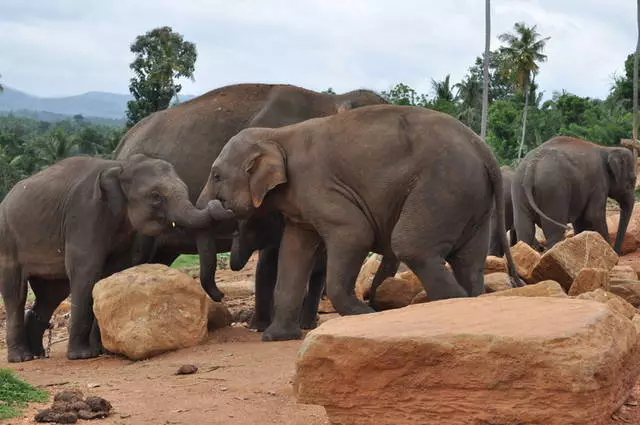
{"type": "Point", "coordinates": [523, 52]}
{"type": "Point", "coordinates": [402, 94]}
{"type": "Point", "coordinates": [329, 91]}
{"type": "Point", "coordinates": [162, 56]}
{"type": "Point", "coordinates": [470, 97]}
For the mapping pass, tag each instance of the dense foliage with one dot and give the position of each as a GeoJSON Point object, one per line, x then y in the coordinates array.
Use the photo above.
{"type": "Point", "coordinates": [162, 56]}
{"type": "Point", "coordinates": [15, 393]}
{"type": "Point", "coordinates": [27, 146]}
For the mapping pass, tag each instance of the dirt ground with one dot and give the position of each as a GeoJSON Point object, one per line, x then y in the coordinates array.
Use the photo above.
{"type": "Point", "coordinates": [240, 380]}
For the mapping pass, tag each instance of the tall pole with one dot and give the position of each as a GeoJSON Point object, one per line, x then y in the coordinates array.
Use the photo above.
{"type": "Point", "coordinates": [635, 78]}
{"type": "Point", "coordinates": [485, 71]}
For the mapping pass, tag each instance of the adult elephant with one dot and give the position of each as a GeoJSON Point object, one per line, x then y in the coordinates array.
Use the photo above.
{"type": "Point", "coordinates": [263, 232]}
{"type": "Point", "coordinates": [191, 135]}
{"type": "Point", "coordinates": [373, 179]}
{"type": "Point", "coordinates": [70, 225]}
{"type": "Point", "coordinates": [568, 180]}
{"type": "Point", "coordinates": [495, 247]}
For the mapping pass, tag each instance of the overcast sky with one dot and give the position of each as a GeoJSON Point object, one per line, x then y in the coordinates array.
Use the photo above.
{"type": "Point", "coordinates": [67, 47]}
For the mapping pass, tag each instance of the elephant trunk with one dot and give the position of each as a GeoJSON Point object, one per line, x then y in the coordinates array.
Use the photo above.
{"type": "Point", "coordinates": [626, 208]}
{"type": "Point", "coordinates": [240, 251]}
{"type": "Point", "coordinates": [185, 214]}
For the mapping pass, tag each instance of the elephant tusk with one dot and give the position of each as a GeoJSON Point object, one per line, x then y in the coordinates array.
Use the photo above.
{"type": "Point", "coordinates": [173, 224]}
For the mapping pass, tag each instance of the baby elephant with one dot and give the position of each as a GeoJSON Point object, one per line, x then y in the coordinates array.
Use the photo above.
{"type": "Point", "coordinates": [70, 225]}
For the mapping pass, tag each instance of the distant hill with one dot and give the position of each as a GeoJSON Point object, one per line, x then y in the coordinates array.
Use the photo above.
{"type": "Point", "coordinates": [91, 105]}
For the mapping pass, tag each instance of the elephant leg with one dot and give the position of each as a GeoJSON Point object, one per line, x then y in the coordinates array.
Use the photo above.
{"type": "Point", "coordinates": [208, 263]}
{"type": "Point", "coordinates": [594, 218]}
{"type": "Point", "coordinates": [388, 268]}
{"type": "Point", "coordinates": [266, 277]}
{"type": "Point", "coordinates": [468, 261]}
{"type": "Point", "coordinates": [524, 225]}
{"type": "Point", "coordinates": [309, 317]}
{"type": "Point", "coordinates": [495, 248]}
{"type": "Point", "coordinates": [295, 261]}
{"type": "Point", "coordinates": [49, 294]}
{"type": "Point", "coordinates": [513, 237]}
{"type": "Point", "coordinates": [14, 294]}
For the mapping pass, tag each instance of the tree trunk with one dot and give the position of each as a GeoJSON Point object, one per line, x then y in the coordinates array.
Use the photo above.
{"type": "Point", "coordinates": [635, 78]}
{"type": "Point", "coordinates": [485, 71]}
{"type": "Point", "coordinates": [524, 118]}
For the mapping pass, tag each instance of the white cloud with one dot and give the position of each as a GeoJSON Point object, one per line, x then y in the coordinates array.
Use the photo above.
{"type": "Point", "coordinates": [63, 47]}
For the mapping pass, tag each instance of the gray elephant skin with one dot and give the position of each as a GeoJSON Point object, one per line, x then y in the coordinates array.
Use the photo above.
{"type": "Point", "coordinates": [378, 179]}
{"type": "Point", "coordinates": [191, 135]}
{"type": "Point", "coordinates": [568, 180]}
{"type": "Point", "coordinates": [495, 247]}
{"type": "Point", "coordinates": [68, 226]}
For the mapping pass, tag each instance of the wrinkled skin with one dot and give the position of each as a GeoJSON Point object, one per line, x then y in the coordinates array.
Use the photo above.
{"type": "Point", "coordinates": [191, 135]}
{"type": "Point", "coordinates": [568, 180]}
{"type": "Point", "coordinates": [495, 247]}
{"type": "Point", "coordinates": [70, 225]}
{"type": "Point", "coordinates": [396, 200]}
{"type": "Point", "coordinates": [264, 232]}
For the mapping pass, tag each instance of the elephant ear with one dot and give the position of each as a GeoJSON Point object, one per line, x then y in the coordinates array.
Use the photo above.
{"type": "Point", "coordinates": [267, 169]}
{"type": "Point", "coordinates": [617, 163]}
{"type": "Point", "coordinates": [108, 189]}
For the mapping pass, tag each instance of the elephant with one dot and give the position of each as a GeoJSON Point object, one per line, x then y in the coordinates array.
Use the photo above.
{"type": "Point", "coordinates": [568, 180]}
{"type": "Point", "coordinates": [494, 248]}
{"type": "Point", "coordinates": [264, 233]}
{"type": "Point", "coordinates": [191, 135]}
{"type": "Point", "coordinates": [377, 178]}
{"type": "Point", "coordinates": [70, 225]}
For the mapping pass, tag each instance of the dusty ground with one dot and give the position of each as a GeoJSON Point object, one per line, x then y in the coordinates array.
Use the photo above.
{"type": "Point", "coordinates": [240, 380]}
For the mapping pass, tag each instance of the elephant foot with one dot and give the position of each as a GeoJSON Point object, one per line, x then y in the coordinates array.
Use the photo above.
{"type": "Point", "coordinates": [19, 355]}
{"type": "Point", "coordinates": [35, 331]}
{"type": "Point", "coordinates": [82, 353]}
{"type": "Point", "coordinates": [281, 333]}
{"type": "Point", "coordinates": [309, 323]}
{"type": "Point", "coordinates": [358, 308]}
{"type": "Point", "coordinates": [258, 324]}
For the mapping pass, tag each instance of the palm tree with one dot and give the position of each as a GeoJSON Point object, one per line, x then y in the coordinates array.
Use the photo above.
{"type": "Point", "coordinates": [485, 70]}
{"type": "Point", "coordinates": [469, 93]}
{"type": "Point", "coordinates": [523, 51]}
{"type": "Point", "coordinates": [442, 89]}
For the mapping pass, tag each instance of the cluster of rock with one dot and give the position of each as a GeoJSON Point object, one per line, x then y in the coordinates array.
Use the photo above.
{"type": "Point", "coordinates": [565, 349]}
{"type": "Point", "coordinates": [151, 308]}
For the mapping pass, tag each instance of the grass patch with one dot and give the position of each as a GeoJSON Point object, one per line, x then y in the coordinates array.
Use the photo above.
{"type": "Point", "coordinates": [193, 260]}
{"type": "Point", "coordinates": [15, 393]}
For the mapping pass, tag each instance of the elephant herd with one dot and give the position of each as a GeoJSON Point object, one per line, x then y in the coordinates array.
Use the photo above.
{"type": "Point", "coordinates": [312, 181]}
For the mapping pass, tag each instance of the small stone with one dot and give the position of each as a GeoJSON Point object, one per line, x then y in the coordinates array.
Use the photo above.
{"type": "Point", "coordinates": [187, 369]}
{"type": "Point", "coordinates": [325, 306]}
{"type": "Point", "coordinates": [589, 279]}
{"type": "Point", "coordinates": [495, 264]}
{"type": "Point", "coordinates": [525, 258]}
{"type": "Point", "coordinates": [495, 282]}
{"type": "Point", "coordinates": [547, 288]}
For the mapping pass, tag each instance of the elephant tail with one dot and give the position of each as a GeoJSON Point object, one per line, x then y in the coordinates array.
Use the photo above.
{"type": "Point", "coordinates": [498, 199]}
{"type": "Point", "coordinates": [529, 177]}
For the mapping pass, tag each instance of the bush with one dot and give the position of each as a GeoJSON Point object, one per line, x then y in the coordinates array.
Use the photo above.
{"type": "Point", "coordinates": [15, 393]}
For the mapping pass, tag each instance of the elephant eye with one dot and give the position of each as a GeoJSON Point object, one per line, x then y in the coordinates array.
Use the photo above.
{"type": "Point", "coordinates": [216, 177]}
{"type": "Point", "coordinates": [156, 198]}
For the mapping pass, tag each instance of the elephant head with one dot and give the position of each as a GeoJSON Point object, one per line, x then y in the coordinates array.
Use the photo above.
{"type": "Point", "coordinates": [152, 195]}
{"type": "Point", "coordinates": [620, 164]}
{"type": "Point", "coordinates": [248, 168]}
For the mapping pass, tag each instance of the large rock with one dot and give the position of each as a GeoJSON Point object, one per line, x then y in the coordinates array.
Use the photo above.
{"type": "Point", "coordinates": [495, 282]}
{"type": "Point", "coordinates": [395, 292]}
{"type": "Point", "coordinates": [629, 290]}
{"type": "Point", "coordinates": [471, 361]}
{"type": "Point", "coordinates": [494, 264]}
{"type": "Point", "coordinates": [365, 277]}
{"type": "Point", "coordinates": [620, 272]}
{"type": "Point", "coordinates": [615, 302]}
{"type": "Point", "coordinates": [564, 261]}
{"type": "Point", "coordinates": [149, 309]}
{"type": "Point", "coordinates": [525, 259]}
{"type": "Point", "coordinates": [588, 280]}
{"type": "Point", "coordinates": [547, 288]}
{"type": "Point", "coordinates": [218, 315]}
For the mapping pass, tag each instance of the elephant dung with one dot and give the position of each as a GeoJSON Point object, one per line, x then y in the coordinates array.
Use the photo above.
{"type": "Point", "coordinates": [620, 272]}
{"type": "Point", "coordinates": [150, 309]}
{"type": "Point", "coordinates": [547, 288]}
{"type": "Point", "coordinates": [396, 292]}
{"type": "Point", "coordinates": [525, 259]}
{"type": "Point", "coordinates": [495, 282]}
{"type": "Point", "coordinates": [494, 264]}
{"type": "Point", "coordinates": [218, 315]}
{"type": "Point", "coordinates": [564, 261]}
{"type": "Point", "coordinates": [615, 302]}
{"type": "Point", "coordinates": [365, 277]}
{"type": "Point", "coordinates": [589, 279]}
{"type": "Point", "coordinates": [468, 361]}
{"type": "Point", "coordinates": [629, 290]}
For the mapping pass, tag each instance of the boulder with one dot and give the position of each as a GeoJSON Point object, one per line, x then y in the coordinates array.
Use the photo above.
{"type": "Point", "coordinates": [630, 241]}
{"type": "Point", "coordinates": [636, 322]}
{"type": "Point", "coordinates": [629, 290]}
{"type": "Point", "coordinates": [564, 261]}
{"type": "Point", "coordinates": [218, 315]}
{"type": "Point", "coordinates": [396, 292]}
{"type": "Point", "coordinates": [149, 309]}
{"type": "Point", "coordinates": [365, 277]}
{"type": "Point", "coordinates": [634, 222]}
{"type": "Point", "coordinates": [615, 302]}
{"type": "Point", "coordinates": [632, 261]}
{"type": "Point", "coordinates": [621, 272]}
{"type": "Point", "coordinates": [494, 264]}
{"type": "Point", "coordinates": [525, 259]}
{"type": "Point", "coordinates": [470, 361]}
{"type": "Point", "coordinates": [547, 288]}
{"type": "Point", "coordinates": [495, 282]}
{"type": "Point", "coordinates": [421, 297]}
{"type": "Point", "coordinates": [589, 279]}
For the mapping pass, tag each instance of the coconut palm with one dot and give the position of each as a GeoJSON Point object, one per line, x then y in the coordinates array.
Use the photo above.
{"type": "Point", "coordinates": [442, 89]}
{"type": "Point", "coordinates": [485, 69]}
{"type": "Point", "coordinates": [523, 51]}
